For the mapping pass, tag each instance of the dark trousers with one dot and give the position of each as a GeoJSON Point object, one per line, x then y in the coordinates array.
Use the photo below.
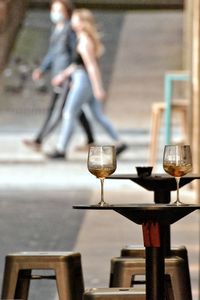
{"type": "Point", "coordinates": [54, 116]}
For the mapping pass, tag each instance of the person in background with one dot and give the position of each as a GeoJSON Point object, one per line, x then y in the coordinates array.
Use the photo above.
{"type": "Point", "coordinates": [87, 86]}
{"type": "Point", "coordinates": [58, 57]}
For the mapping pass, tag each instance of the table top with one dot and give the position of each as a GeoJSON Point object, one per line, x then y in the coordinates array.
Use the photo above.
{"type": "Point", "coordinates": [140, 213]}
{"type": "Point", "coordinates": [136, 206]}
{"type": "Point", "coordinates": [153, 176]}
{"type": "Point", "coordinates": [158, 181]}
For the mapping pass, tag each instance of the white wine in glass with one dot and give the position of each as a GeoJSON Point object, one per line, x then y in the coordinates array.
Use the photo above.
{"type": "Point", "coordinates": [177, 161]}
{"type": "Point", "coordinates": [102, 163]}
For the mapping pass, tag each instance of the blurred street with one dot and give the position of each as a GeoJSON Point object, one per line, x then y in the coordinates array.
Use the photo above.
{"type": "Point", "coordinates": [37, 194]}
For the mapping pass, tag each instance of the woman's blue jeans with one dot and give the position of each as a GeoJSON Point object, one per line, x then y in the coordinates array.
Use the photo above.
{"type": "Point", "coordinates": [81, 93]}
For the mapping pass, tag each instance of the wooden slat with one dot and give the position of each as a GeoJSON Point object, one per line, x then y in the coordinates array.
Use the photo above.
{"type": "Point", "coordinates": [196, 92]}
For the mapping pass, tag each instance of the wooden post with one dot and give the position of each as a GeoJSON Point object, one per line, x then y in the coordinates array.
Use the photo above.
{"type": "Point", "coordinates": [187, 34]}
{"type": "Point", "coordinates": [196, 92]}
{"type": "Point", "coordinates": [11, 18]}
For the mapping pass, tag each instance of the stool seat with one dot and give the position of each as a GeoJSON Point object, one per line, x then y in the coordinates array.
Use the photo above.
{"type": "Point", "coordinates": [66, 265]}
{"type": "Point", "coordinates": [139, 251]}
{"type": "Point", "coordinates": [114, 294]}
{"type": "Point", "coordinates": [176, 104]}
{"type": "Point", "coordinates": [158, 108]}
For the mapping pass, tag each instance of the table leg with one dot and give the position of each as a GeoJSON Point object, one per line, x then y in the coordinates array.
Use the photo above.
{"type": "Point", "coordinates": [155, 274]}
{"type": "Point", "coordinates": [162, 196]}
{"type": "Point", "coordinates": [156, 243]}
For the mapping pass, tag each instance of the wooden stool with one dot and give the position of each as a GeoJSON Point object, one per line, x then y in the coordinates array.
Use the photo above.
{"type": "Point", "coordinates": [124, 270]}
{"type": "Point", "coordinates": [114, 294]}
{"type": "Point", "coordinates": [67, 267]}
{"type": "Point", "coordinates": [139, 251]}
{"type": "Point", "coordinates": [158, 108]}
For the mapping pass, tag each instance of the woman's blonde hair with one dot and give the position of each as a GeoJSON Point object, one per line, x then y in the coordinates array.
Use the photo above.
{"type": "Point", "coordinates": [90, 28]}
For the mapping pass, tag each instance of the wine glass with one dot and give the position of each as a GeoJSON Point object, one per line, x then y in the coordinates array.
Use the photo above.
{"type": "Point", "coordinates": [101, 163]}
{"type": "Point", "coordinates": [177, 161]}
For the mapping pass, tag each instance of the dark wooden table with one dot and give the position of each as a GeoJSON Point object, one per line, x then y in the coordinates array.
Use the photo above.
{"type": "Point", "coordinates": [154, 218]}
{"type": "Point", "coordinates": [160, 184]}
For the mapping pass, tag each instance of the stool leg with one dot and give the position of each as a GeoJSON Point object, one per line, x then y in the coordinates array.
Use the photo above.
{"type": "Point", "coordinates": [63, 283]}
{"type": "Point", "coordinates": [185, 124]}
{"type": "Point", "coordinates": [182, 252]}
{"type": "Point", "coordinates": [23, 284]}
{"type": "Point", "coordinates": [69, 280]}
{"type": "Point", "coordinates": [156, 118]}
{"type": "Point", "coordinates": [168, 288]}
{"type": "Point", "coordinates": [111, 279]}
{"type": "Point", "coordinates": [180, 280]}
{"type": "Point", "coordinates": [9, 281]}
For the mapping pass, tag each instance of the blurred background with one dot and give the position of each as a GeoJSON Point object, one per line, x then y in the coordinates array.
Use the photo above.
{"type": "Point", "coordinates": [144, 41]}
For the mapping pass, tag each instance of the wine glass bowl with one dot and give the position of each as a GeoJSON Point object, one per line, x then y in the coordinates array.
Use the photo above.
{"type": "Point", "coordinates": [177, 161]}
{"type": "Point", "coordinates": [102, 163]}
{"type": "Point", "coordinates": [177, 171]}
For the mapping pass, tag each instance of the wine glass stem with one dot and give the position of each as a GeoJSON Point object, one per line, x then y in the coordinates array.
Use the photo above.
{"type": "Point", "coordinates": [177, 183]}
{"type": "Point", "coordinates": [102, 202]}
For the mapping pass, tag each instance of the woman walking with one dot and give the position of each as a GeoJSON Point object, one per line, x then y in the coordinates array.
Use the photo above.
{"type": "Point", "coordinates": [57, 58]}
{"type": "Point", "coordinates": [87, 86]}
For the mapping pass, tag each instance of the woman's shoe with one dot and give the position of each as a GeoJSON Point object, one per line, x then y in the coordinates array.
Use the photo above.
{"type": "Point", "coordinates": [121, 148]}
{"type": "Point", "coordinates": [56, 155]}
{"type": "Point", "coordinates": [32, 144]}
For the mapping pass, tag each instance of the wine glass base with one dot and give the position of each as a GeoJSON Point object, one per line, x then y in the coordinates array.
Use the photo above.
{"type": "Point", "coordinates": [178, 203]}
{"type": "Point", "coordinates": [102, 203]}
